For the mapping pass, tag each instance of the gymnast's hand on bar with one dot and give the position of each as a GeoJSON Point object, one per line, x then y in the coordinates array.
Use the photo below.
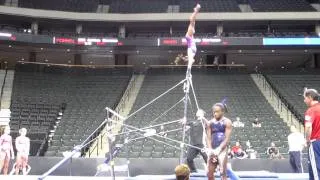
{"type": "Point", "coordinates": [200, 114]}
{"type": "Point", "coordinates": [183, 121]}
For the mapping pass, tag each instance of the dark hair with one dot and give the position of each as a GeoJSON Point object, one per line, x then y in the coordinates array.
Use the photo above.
{"type": "Point", "coordinates": [182, 178]}
{"type": "Point", "coordinates": [222, 106]}
{"type": "Point", "coordinates": [312, 93]}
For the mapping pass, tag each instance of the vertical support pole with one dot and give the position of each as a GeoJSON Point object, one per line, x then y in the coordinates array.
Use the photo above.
{"type": "Point", "coordinates": [110, 145]}
{"type": "Point", "coordinates": [186, 88]}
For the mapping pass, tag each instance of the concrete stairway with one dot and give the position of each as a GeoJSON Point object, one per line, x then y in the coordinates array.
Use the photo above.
{"type": "Point", "coordinates": [276, 102]}
{"type": "Point", "coordinates": [100, 147]}
{"type": "Point", "coordinates": [7, 90]}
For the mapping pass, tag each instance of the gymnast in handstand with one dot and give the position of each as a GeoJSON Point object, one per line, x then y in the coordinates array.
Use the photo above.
{"type": "Point", "coordinates": [192, 48]}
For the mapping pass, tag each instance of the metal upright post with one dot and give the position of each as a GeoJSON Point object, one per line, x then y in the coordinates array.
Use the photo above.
{"type": "Point", "coordinates": [186, 88]}
{"type": "Point", "coordinates": [109, 135]}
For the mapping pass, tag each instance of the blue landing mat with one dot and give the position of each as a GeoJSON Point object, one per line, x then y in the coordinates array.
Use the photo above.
{"type": "Point", "coordinates": [245, 175]}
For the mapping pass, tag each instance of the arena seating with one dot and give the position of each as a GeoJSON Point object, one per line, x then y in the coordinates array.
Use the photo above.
{"type": "Point", "coordinates": [61, 5]}
{"type": "Point", "coordinates": [85, 92]}
{"type": "Point", "coordinates": [286, 34]}
{"type": "Point", "coordinates": [31, 108]}
{"type": "Point", "coordinates": [280, 5]}
{"type": "Point", "coordinates": [139, 6]}
{"type": "Point", "coordinates": [154, 6]}
{"type": "Point", "coordinates": [210, 5]}
{"type": "Point", "coordinates": [211, 87]}
{"type": "Point", "coordinates": [290, 84]}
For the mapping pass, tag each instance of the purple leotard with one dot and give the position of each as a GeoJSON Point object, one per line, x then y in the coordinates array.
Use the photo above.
{"type": "Point", "coordinates": [191, 44]}
{"type": "Point", "coordinates": [218, 129]}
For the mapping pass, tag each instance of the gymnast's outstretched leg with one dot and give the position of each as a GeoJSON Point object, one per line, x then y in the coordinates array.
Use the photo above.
{"type": "Point", "coordinates": [192, 49]}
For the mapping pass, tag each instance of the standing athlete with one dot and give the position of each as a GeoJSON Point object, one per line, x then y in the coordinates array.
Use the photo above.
{"type": "Point", "coordinates": [6, 150]}
{"type": "Point", "coordinates": [23, 147]}
{"type": "Point", "coordinates": [312, 130]}
{"type": "Point", "coordinates": [218, 137]}
{"type": "Point", "coordinates": [192, 48]}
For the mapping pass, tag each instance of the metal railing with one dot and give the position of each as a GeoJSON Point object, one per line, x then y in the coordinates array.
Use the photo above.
{"type": "Point", "coordinates": [2, 87]}
{"type": "Point", "coordinates": [282, 105]}
{"type": "Point", "coordinates": [99, 144]}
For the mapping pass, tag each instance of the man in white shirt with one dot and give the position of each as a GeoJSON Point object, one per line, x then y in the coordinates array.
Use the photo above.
{"type": "Point", "coordinates": [296, 143]}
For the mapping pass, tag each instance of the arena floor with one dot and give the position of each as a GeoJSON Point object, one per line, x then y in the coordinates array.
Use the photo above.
{"type": "Point", "coordinates": [246, 175]}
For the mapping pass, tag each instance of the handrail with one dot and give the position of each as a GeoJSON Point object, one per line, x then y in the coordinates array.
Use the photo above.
{"type": "Point", "coordinates": [119, 107]}
{"type": "Point", "coordinates": [2, 87]}
{"type": "Point", "coordinates": [202, 65]}
{"type": "Point", "coordinates": [71, 65]}
{"type": "Point", "coordinates": [282, 102]}
{"type": "Point", "coordinates": [286, 103]}
{"type": "Point", "coordinates": [76, 149]}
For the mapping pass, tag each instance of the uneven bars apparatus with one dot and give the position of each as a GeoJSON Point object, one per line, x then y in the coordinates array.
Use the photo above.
{"type": "Point", "coordinates": [186, 86]}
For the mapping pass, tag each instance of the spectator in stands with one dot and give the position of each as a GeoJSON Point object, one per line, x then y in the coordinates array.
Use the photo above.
{"type": "Point", "coordinates": [238, 123]}
{"type": "Point", "coordinates": [180, 58]}
{"type": "Point", "coordinates": [235, 148]}
{"type": "Point", "coordinates": [256, 123]}
{"type": "Point", "coordinates": [63, 107]}
{"type": "Point", "coordinates": [241, 154]}
{"type": "Point", "coordinates": [6, 150]}
{"type": "Point", "coordinates": [162, 131]}
{"type": "Point", "coordinates": [216, 61]}
{"type": "Point", "coordinates": [252, 154]}
{"type": "Point", "coordinates": [182, 172]}
{"type": "Point", "coordinates": [296, 143]}
{"type": "Point", "coordinates": [273, 151]}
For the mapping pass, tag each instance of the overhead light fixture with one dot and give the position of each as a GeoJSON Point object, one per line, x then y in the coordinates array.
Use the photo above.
{"type": "Point", "coordinates": [202, 51]}
{"type": "Point", "coordinates": [68, 50]}
{"type": "Point", "coordinates": [273, 50]}
{"type": "Point", "coordinates": [110, 51]}
{"type": "Point", "coordinates": [10, 46]}
{"type": "Point", "coordinates": [240, 51]}
{"type": "Point", "coordinates": [41, 49]}
{"type": "Point", "coordinates": [305, 50]}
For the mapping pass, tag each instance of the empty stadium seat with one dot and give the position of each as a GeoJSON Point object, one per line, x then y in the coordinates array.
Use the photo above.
{"type": "Point", "coordinates": [84, 91]}
{"type": "Point", "coordinates": [290, 84]}
{"type": "Point", "coordinates": [62, 5]}
{"type": "Point", "coordinates": [210, 6]}
{"type": "Point", "coordinates": [280, 5]}
{"type": "Point", "coordinates": [211, 87]}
